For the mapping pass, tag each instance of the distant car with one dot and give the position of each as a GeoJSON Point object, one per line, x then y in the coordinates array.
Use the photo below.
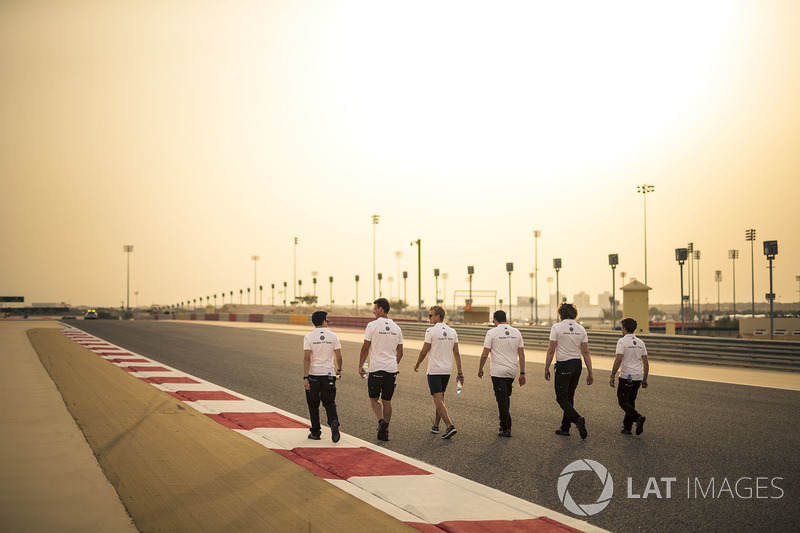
{"type": "Point", "coordinates": [91, 314]}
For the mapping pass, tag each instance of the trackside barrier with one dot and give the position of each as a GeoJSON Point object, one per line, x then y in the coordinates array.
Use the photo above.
{"type": "Point", "coordinates": [771, 355]}
{"type": "Point", "coordinates": [301, 320]}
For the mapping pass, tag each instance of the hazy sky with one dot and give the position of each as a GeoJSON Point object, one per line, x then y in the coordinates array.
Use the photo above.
{"type": "Point", "coordinates": [205, 132]}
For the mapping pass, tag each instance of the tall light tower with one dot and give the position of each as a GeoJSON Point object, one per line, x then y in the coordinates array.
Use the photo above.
{"type": "Point", "coordinates": [536, 235]}
{"type": "Point", "coordinates": [357, 304]}
{"type": "Point", "coordinates": [445, 275]}
{"type": "Point", "coordinates": [294, 287]}
{"type": "Point", "coordinates": [613, 261]}
{"type": "Point", "coordinates": [697, 280]}
{"type": "Point", "coordinates": [330, 280]}
{"type": "Point", "coordinates": [750, 235]}
{"type": "Point", "coordinates": [557, 267]}
{"type": "Point", "coordinates": [690, 248]}
{"type": "Point", "coordinates": [681, 254]}
{"type": "Point", "coordinates": [314, 274]}
{"type": "Point", "coordinates": [509, 269]}
{"type": "Point", "coordinates": [797, 279]}
{"type": "Point", "coordinates": [418, 242]}
{"type": "Point", "coordinates": [470, 271]}
{"type": "Point", "coordinates": [255, 259]}
{"type": "Point", "coordinates": [375, 220]}
{"type": "Point", "coordinates": [771, 250]}
{"type": "Point", "coordinates": [436, 277]}
{"type": "Point", "coordinates": [645, 190]}
{"type": "Point", "coordinates": [733, 255]}
{"type": "Point", "coordinates": [128, 248]}
{"type": "Point", "coordinates": [718, 279]}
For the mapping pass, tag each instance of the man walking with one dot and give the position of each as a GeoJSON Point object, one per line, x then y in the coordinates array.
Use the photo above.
{"type": "Point", "coordinates": [320, 374]}
{"type": "Point", "coordinates": [632, 358]}
{"type": "Point", "coordinates": [383, 345]}
{"type": "Point", "coordinates": [441, 341]}
{"type": "Point", "coordinates": [505, 345]}
{"type": "Point", "coordinates": [568, 341]}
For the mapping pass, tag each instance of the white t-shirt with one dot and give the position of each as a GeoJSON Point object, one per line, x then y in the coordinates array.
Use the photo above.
{"type": "Point", "coordinates": [569, 335]}
{"type": "Point", "coordinates": [385, 336]}
{"type": "Point", "coordinates": [632, 349]}
{"type": "Point", "coordinates": [504, 342]}
{"type": "Point", "coordinates": [442, 338]}
{"type": "Point", "coordinates": [322, 342]}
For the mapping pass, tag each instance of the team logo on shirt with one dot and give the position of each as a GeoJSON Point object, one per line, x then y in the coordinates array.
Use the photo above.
{"type": "Point", "coordinates": [322, 337]}
{"type": "Point", "coordinates": [508, 332]}
{"type": "Point", "coordinates": [572, 329]}
{"type": "Point", "coordinates": [387, 328]}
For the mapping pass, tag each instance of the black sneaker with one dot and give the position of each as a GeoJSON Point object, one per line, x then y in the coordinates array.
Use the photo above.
{"type": "Point", "coordinates": [383, 430]}
{"type": "Point", "coordinates": [581, 423]}
{"type": "Point", "coordinates": [563, 433]}
{"type": "Point", "coordinates": [625, 431]}
{"type": "Point", "coordinates": [314, 437]}
{"type": "Point", "coordinates": [504, 433]}
{"type": "Point", "coordinates": [435, 430]}
{"type": "Point", "coordinates": [640, 425]}
{"type": "Point", "coordinates": [335, 435]}
{"type": "Point", "coordinates": [449, 432]}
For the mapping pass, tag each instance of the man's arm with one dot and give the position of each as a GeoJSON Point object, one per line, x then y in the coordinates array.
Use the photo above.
{"type": "Point", "coordinates": [484, 356]}
{"type": "Point", "coordinates": [588, 360]}
{"type": "Point", "coordinates": [617, 363]}
{"type": "Point", "coordinates": [646, 365]}
{"type": "Point", "coordinates": [521, 353]}
{"type": "Point", "coordinates": [422, 354]}
{"type": "Point", "coordinates": [457, 357]}
{"type": "Point", "coordinates": [399, 353]}
{"type": "Point", "coordinates": [338, 352]}
{"type": "Point", "coordinates": [363, 357]}
{"type": "Point", "coordinates": [306, 368]}
{"type": "Point", "coordinates": [551, 351]}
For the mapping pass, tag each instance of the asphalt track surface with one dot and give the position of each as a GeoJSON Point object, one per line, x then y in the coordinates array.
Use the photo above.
{"type": "Point", "coordinates": [696, 431]}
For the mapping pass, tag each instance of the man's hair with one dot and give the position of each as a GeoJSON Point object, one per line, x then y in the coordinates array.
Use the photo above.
{"type": "Point", "coordinates": [500, 315]}
{"type": "Point", "coordinates": [438, 310]}
{"type": "Point", "coordinates": [319, 317]}
{"type": "Point", "coordinates": [566, 311]}
{"type": "Point", "coordinates": [383, 303]}
{"type": "Point", "coordinates": [629, 324]}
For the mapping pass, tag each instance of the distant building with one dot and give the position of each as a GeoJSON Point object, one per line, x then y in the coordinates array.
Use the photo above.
{"type": "Point", "coordinates": [603, 300]}
{"type": "Point", "coordinates": [581, 300]}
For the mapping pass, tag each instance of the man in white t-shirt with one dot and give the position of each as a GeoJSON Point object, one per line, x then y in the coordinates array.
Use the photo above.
{"type": "Point", "coordinates": [320, 374]}
{"type": "Point", "coordinates": [441, 342]}
{"type": "Point", "coordinates": [383, 345]}
{"type": "Point", "coordinates": [568, 342]}
{"type": "Point", "coordinates": [506, 347]}
{"type": "Point", "coordinates": [632, 360]}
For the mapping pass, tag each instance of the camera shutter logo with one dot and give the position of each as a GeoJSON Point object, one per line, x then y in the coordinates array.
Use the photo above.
{"type": "Point", "coordinates": [585, 509]}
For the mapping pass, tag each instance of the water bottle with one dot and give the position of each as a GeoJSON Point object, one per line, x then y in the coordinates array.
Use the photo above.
{"type": "Point", "coordinates": [629, 379]}
{"type": "Point", "coordinates": [365, 368]}
{"type": "Point", "coordinates": [459, 386]}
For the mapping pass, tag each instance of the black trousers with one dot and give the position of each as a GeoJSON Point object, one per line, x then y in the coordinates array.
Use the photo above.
{"type": "Point", "coordinates": [626, 396]}
{"type": "Point", "coordinates": [502, 393]}
{"type": "Point", "coordinates": [567, 376]}
{"type": "Point", "coordinates": [323, 389]}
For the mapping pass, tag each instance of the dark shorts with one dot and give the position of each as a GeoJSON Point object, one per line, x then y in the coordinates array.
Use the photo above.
{"type": "Point", "coordinates": [438, 382]}
{"type": "Point", "coordinates": [381, 383]}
